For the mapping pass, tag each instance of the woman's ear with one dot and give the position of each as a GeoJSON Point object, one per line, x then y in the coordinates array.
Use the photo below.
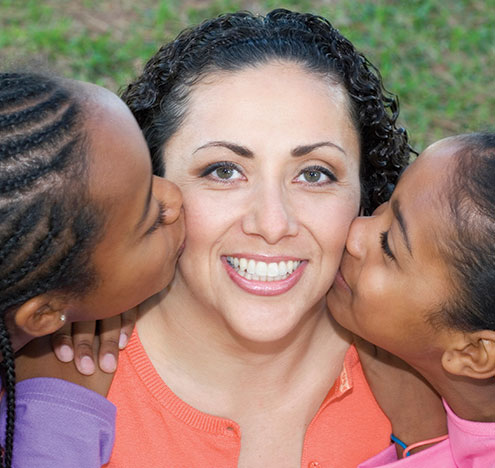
{"type": "Point", "coordinates": [40, 315]}
{"type": "Point", "coordinates": [471, 355]}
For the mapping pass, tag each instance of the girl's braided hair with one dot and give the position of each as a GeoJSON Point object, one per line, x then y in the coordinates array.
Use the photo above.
{"type": "Point", "coordinates": [158, 98]}
{"type": "Point", "coordinates": [48, 226]}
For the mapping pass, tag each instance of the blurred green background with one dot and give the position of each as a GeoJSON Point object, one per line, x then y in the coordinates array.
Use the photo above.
{"type": "Point", "coordinates": [437, 55]}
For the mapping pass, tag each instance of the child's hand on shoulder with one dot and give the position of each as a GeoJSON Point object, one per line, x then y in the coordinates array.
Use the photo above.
{"type": "Point", "coordinates": [37, 359]}
{"type": "Point", "coordinates": [75, 341]}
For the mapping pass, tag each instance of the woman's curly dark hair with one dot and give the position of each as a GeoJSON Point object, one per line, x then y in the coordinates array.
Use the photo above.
{"type": "Point", "coordinates": [158, 98]}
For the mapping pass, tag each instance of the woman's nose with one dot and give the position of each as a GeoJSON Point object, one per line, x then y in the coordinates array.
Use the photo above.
{"type": "Point", "coordinates": [270, 215]}
{"type": "Point", "coordinates": [169, 194]}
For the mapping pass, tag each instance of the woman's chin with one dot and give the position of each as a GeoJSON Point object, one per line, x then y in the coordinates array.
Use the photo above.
{"type": "Point", "coordinates": [261, 332]}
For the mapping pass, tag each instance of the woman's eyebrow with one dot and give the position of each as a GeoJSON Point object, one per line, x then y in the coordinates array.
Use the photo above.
{"type": "Point", "coordinates": [402, 223]}
{"type": "Point", "coordinates": [305, 149]}
{"type": "Point", "coordinates": [247, 153]}
{"type": "Point", "coordinates": [237, 149]}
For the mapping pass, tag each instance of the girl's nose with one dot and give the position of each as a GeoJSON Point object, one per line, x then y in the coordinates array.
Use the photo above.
{"type": "Point", "coordinates": [170, 195]}
{"type": "Point", "coordinates": [365, 230]}
{"type": "Point", "coordinates": [356, 239]}
{"type": "Point", "coordinates": [270, 215]}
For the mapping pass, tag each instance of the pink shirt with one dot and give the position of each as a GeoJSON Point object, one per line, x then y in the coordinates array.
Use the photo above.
{"type": "Point", "coordinates": [156, 429]}
{"type": "Point", "coordinates": [470, 444]}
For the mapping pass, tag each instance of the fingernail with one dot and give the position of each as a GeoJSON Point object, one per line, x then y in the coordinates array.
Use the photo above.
{"type": "Point", "coordinates": [108, 363]}
{"type": "Point", "coordinates": [87, 365]}
{"type": "Point", "coordinates": [122, 341]}
{"type": "Point", "coordinates": [65, 353]}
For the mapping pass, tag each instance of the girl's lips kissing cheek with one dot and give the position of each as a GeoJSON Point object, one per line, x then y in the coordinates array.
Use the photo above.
{"type": "Point", "coordinates": [268, 277]}
{"type": "Point", "coordinates": [340, 281]}
{"type": "Point", "coordinates": [181, 249]}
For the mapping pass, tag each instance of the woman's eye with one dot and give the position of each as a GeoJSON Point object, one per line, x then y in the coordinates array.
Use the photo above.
{"type": "Point", "coordinates": [316, 175]}
{"type": "Point", "coordinates": [312, 176]}
{"type": "Point", "coordinates": [222, 171]}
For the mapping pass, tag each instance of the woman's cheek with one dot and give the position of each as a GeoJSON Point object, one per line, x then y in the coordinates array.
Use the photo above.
{"type": "Point", "coordinates": [205, 221]}
{"type": "Point", "coordinates": [334, 234]}
{"type": "Point", "coordinates": [331, 221]}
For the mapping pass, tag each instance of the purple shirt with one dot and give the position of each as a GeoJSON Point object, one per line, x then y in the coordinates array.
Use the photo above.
{"type": "Point", "coordinates": [60, 425]}
{"type": "Point", "coordinates": [470, 444]}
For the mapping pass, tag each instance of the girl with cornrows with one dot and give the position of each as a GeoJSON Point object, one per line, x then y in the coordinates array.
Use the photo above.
{"type": "Point", "coordinates": [86, 231]}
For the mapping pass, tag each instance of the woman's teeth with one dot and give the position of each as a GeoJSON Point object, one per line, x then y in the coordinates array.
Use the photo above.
{"type": "Point", "coordinates": [262, 271]}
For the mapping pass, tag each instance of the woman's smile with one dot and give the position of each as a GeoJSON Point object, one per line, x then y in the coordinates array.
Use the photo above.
{"type": "Point", "coordinates": [268, 277]}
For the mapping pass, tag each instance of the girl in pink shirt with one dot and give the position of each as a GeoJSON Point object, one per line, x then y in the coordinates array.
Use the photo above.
{"type": "Point", "coordinates": [417, 279]}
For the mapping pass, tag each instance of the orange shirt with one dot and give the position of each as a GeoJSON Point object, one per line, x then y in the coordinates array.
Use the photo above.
{"type": "Point", "coordinates": [156, 429]}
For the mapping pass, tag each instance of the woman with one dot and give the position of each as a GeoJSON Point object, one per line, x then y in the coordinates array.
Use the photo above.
{"type": "Point", "coordinates": [278, 132]}
{"type": "Point", "coordinates": [266, 125]}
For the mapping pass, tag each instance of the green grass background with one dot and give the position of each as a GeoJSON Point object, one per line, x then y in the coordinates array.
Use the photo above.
{"type": "Point", "coordinates": [437, 55]}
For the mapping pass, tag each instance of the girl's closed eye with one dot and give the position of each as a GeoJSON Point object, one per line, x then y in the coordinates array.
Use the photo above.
{"type": "Point", "coordinates": [316, 175]}
{"type": "Point", "coordinates": [222, 171]}
{"type": "Point", "coordinates": [385, 246]}
{"type": "Point", "coordinates": [160, 220]}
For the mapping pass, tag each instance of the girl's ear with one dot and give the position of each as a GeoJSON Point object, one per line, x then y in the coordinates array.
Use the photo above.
{"type": "Point", "coordinates": [471, 355]}
{"type": "Point", "coordinates": [40, 315]}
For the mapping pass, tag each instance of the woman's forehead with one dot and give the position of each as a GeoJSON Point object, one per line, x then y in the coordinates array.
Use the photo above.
{"type": "Point", "coordinates": [273, 91]}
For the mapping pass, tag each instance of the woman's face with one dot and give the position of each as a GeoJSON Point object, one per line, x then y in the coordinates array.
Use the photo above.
{"type": "Point", "coordinates": [268, 163]}
{"type": "Point", "coordinates": [393, 274]}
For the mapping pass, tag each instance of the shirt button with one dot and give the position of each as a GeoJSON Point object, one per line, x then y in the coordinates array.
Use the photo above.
{"type": "Point", "coordinates": [314, 464]}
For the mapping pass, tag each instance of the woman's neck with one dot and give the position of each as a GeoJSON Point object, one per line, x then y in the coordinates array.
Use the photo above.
{"type": "Point", "coordinates": [196, 354]}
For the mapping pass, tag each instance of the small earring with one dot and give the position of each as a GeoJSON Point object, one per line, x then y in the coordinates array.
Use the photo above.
{"type": "Point", "coordinates": [62, 318]}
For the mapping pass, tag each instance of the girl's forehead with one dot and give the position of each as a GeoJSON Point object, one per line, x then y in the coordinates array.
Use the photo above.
{"type": "Point", "coordinates": [432, 167]}
{"type": "Point", "coordinates": [423, 194]}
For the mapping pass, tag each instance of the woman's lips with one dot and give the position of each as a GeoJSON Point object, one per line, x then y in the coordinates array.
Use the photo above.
{"type": "Point", "coordinates": [267, 277]}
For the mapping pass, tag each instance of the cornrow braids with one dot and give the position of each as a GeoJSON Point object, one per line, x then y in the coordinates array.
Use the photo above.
{"type": "Point", "coordinates": [48, 225]}
{"type": "Point", "coordinates": [32, 87]}
{"type": "Point", "coordinates": [8, 367]}
{"type": "Point", "coordinates": [158, 98]}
